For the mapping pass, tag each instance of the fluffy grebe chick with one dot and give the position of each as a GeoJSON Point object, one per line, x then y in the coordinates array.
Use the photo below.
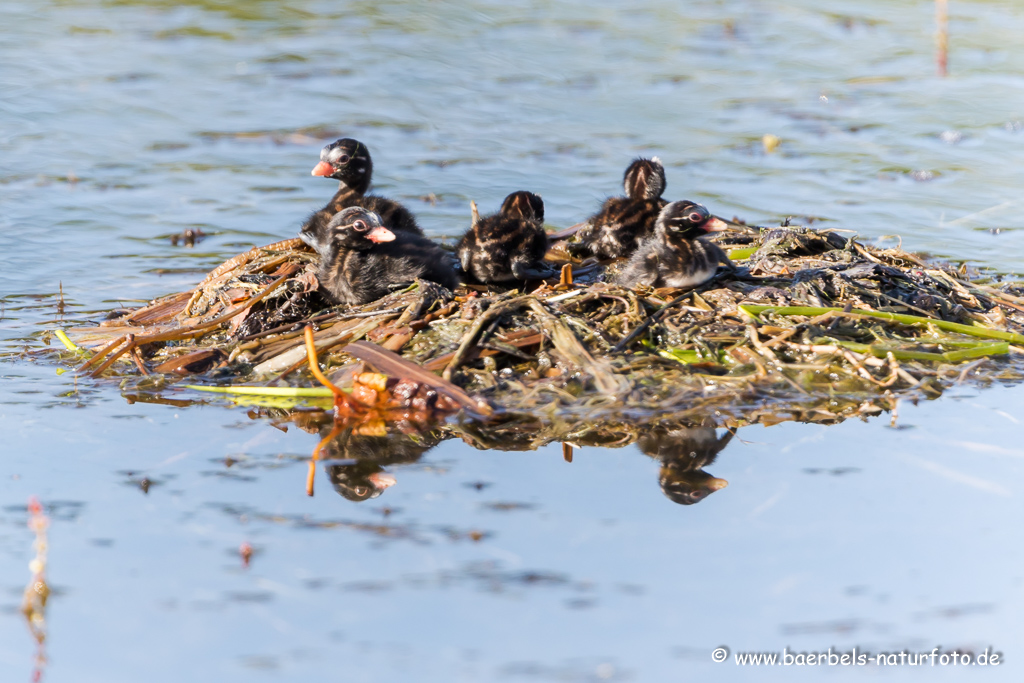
{"type": "Point", "coordinates": [615, 230]}
{"type": "Point", "coordinates": [676, 256]}
{"type": "Point", "coordinates": [509, 245]}
{"type": "Point", "coordinates": [348, 161]}
{"type": "Point", "coordinates": [361, 260]}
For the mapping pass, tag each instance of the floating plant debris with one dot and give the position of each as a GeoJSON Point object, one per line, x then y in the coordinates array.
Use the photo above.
{"type": "Point", "coordinates": [814, 326]}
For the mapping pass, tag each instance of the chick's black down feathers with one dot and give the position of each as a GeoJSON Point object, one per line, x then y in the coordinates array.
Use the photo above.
{"type": "Point", "coordinates": [676, 255]}
{"type": "Point", "coordinates": [361, 260]}
{"type": "Point", "coordinates": [615, 230]}
{"type": "Point", "coordinates": [509, 245]}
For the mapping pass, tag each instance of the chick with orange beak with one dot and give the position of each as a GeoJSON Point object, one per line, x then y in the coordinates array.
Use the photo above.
{"type": "Point", "coordinates": [361, 260]}
{"type": "Point", "coordinates": [348, 161]}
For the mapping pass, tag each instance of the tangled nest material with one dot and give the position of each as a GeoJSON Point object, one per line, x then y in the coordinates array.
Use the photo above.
{"type": "Point", "coordinates": [815, 326]}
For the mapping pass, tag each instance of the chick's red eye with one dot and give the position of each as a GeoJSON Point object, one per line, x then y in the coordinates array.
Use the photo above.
{"type": "Point", "coordinates": [360, 226]}
{"type": "Point", "coordinates": [695, 217]}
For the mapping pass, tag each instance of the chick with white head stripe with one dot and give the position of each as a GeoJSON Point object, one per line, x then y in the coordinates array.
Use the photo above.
{"type": "Point", "coordinates": [676, 255]}
{"type": "Point", "coordinates": [361, 260]}
{"type": "Point", "coordinates": [348, 161]}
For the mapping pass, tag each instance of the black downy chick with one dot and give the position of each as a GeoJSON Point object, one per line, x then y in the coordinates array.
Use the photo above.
{"type": "Point", "coordinates": [348, 161]}
{"type": "Point", "coordinates": [361, 260]}
{"type": "Point", "coordinates": [509, 245]}
{"type": "Point", "coordinates": [676, 256]}
{"type": "Point", "coordinates": [615, 230]}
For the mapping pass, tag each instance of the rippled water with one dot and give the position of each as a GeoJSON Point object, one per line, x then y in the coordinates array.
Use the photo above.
{"type": "Point", "coordinates": [123, 123]}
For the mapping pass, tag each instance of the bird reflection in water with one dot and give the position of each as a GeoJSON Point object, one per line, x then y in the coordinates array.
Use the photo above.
{"type": "Point", "coordinates": [355, 459]}
{"type": "Point", "coordinates": [684, 452]}
{"type": "Point", "coordinates": [355, 462]}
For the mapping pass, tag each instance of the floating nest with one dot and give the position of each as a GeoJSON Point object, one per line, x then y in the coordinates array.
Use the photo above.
{"type": "Point", "coordinates": [814, 326]}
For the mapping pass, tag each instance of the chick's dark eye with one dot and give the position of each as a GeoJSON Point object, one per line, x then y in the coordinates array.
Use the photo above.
{"type": "Point", "coordinates": [695, 217]}
{"type": "Point", "coordinates": [343, 159]}
{"type": "Point", "coordinates": [360, 226]}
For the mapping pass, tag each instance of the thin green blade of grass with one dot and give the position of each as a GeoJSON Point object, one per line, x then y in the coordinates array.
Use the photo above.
{"type": "Point", "coordinates": [881, 351]}
{"type": "Point", "coordinates": [294, 392]}
{"type": "Point", "coordinates": [282, 402]}
{"type": "Point", "coordinates": [978, 352]}
{"type": "Point", "coordinates": [66, 341]}
{"type": "Point", "coordinates": [741, 253]}
{"type": "Point", "coordinates": [970, 330]}
{"type": "Point", "coordinates": [684, 356]}
{"type": "Point", "coordinates": [938, 341]}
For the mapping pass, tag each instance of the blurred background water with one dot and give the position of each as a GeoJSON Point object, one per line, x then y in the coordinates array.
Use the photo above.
{"type": "Point", "coordinates": [125, 122]}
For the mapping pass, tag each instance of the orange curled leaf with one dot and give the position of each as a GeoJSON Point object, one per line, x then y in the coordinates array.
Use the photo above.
{"type": "Point", "coordinates": [374, 380]}
{"type": "Point", "coordinates": [393, 365]}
